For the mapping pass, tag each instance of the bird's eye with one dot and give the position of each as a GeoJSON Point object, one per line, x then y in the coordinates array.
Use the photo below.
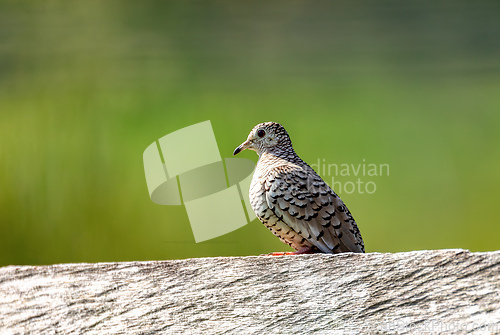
{"type": "Point", "coordinates": [261, 133]}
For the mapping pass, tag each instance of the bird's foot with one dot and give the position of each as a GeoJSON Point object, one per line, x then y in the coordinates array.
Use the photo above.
{"type": "Point", "coordinates": [302, 251]}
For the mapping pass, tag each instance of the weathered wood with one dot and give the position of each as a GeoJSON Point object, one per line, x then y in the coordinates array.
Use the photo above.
{"type": "Point", "coordinates": [435, 291]}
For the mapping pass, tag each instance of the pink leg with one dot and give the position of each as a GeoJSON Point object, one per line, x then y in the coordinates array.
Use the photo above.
{"type": "Point", "coordinates": [306, 250]}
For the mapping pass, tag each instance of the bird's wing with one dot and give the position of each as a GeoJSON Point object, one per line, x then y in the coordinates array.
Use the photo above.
{"type": "Point", "coordinates": [302, 200]}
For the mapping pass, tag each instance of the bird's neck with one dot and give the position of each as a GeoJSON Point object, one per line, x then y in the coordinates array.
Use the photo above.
{"type": "Point", "coordinates": [278, 156]}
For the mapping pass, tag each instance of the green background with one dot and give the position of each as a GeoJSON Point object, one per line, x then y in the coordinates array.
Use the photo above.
{"type": "Point", "coordinates": [86, 86]}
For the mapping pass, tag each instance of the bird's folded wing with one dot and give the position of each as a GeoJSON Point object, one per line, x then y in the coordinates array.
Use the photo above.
{"type": "Point", "coordinates": [302, 200]}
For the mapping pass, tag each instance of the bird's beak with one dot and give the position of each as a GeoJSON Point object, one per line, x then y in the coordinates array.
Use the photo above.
{"type": "Point", "coordinates": [242, 147]}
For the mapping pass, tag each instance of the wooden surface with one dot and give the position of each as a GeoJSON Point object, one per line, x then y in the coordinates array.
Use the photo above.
{"type": "Point", "coordinates": [447, 291]}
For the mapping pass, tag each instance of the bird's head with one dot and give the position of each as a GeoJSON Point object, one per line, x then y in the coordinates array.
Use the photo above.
{"type": "Point", "coordinates": [266, 137]}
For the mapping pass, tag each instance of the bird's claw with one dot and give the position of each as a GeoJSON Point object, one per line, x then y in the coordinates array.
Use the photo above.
{"type": "Point", "coordinates": [283, 253]}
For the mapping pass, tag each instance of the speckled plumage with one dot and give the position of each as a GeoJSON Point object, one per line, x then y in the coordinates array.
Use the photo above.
{"type": "Point", "coordinates": [292, 200]}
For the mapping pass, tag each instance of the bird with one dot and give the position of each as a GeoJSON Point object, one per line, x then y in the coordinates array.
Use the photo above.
{"type": "Point", "coordinates": [293, 201]}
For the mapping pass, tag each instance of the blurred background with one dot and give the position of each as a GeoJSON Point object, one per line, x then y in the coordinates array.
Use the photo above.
{"type": "Point", "coordinates": [86, 86]}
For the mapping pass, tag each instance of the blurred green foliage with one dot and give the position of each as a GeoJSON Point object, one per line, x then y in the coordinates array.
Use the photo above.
{"type": "Point", "coordinates": [85, 87]}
